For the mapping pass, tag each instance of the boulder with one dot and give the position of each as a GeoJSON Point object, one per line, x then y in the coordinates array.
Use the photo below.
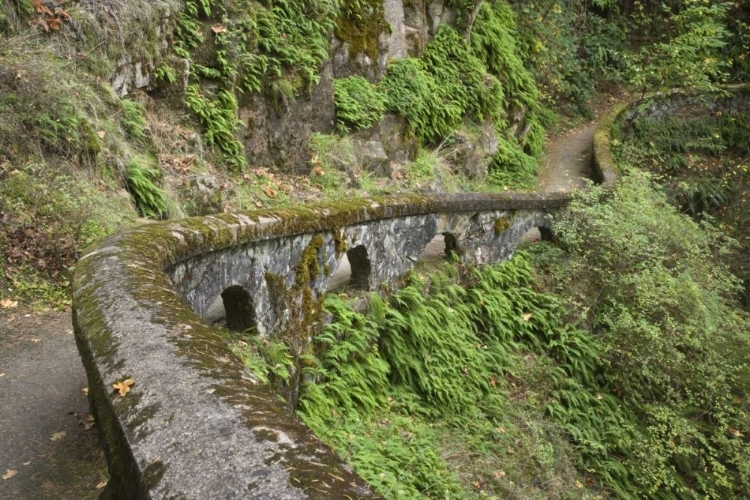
{"type": "Point", "coordinates": [202, 195]}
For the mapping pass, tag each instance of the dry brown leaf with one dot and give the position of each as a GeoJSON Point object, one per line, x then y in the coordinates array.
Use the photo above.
{"type": "Point", "coordinates": [101, 134]}
{"type": "Point", "coordinates": [499, 474]}
{"type": "Point", "coordinates": [124, 386]}
{"type": "Point", "coordinates": [101, 485]}
{"type": "Point", "coordinates": [269, 192]}
{"type": "Point", "coordinates": [57, 436]}
{"type": "Point", "coordinates": [54, 24]}
{"type": "Point", "coordinates": [219, 29]}
{"type": "Point", "coordinates": [8, 304]}
{"type": "Point", "coordinates": [527, 317]}
{"type": "Point", "coordinates": [9, 473]}
{"type": "Point", "coordinates": [85, 391]}
{"type": "Point", "coordinates": [36, 341]}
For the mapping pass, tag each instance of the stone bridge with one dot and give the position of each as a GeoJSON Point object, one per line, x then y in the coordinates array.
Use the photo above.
{"type": "Point", "coordinates": [196, 425]}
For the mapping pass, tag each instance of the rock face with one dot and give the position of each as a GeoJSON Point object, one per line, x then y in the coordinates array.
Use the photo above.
{"type": "Point", "coordinates": [384, 146]}
{"type": "Point", "coordinates": [471, 153]}
{"type": "Point", "coordinates": [121, 26]}
{"type": "Point", "coordinates": [278, 134]}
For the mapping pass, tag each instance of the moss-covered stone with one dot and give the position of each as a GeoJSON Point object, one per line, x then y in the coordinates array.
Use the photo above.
{"type": "Point", "coordinates": [360, 24]}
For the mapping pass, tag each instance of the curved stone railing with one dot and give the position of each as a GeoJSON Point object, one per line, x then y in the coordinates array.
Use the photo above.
{"type": "Point", "coordinates": [195, 424]}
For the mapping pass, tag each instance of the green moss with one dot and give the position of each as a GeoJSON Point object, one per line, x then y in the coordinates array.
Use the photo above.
{"type": "Point", "coordinates": [309, 267]}
{"type": "Point", "coordinates": [360, 24]}
{"type": "Point", "coordinates": [340, 242]}
{"type": "Point", "coordinates": [501, 224]}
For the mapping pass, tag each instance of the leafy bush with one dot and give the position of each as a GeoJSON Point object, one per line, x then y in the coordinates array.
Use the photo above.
{"type": "Point", "coordinates": [648, 283]}
{"type": "Point", "coordinates": [447, 84]}
{"type": "Point", "coordinates": [359, 104]}
{"type": "Point", "coordinates": [132, 119]}
{"type": "Point", "coordinates": [246, 47]}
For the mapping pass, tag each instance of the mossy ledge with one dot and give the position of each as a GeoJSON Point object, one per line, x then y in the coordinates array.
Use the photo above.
{"type": "Point", "coordinates": [196, 424]}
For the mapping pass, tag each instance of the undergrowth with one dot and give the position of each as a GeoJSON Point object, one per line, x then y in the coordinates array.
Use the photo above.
{"type": "Point", "coordinates": [417, 392]}
{"type": "Point", "coordinates": [359, 105]}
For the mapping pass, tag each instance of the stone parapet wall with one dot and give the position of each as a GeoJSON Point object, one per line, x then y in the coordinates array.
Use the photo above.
{"type": "Point", "coordinates": [196, 424]}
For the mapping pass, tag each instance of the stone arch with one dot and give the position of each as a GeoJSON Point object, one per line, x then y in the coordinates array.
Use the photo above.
{"type": "Point", "coordinates": [452, 248]}
{"type": "Point", "coordinates": [361, 267]}
{"type": "Point", "coordinates": [239, 309]}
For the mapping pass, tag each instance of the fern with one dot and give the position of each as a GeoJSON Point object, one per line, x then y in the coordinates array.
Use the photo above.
{"type": "Point", "coordinates": [148, 197]}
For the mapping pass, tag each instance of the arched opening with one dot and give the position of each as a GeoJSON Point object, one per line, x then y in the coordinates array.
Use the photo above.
{"type": "Point", "coordinates": [434, 251]}
{"type": "Point", "coordinates": [537, 234]}
{"type": "Point", "coordinates": [341, 277]}
{"type": "Point", "coordinates": [239, 309]}
{"type": "Point", "coordinates": [442, 246]}
{"type": "Point", "coordinates": [361, 268]}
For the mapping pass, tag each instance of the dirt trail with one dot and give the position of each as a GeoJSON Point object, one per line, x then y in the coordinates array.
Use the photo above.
{"type": "Point", "coordinates": [41, 399]}
{"type": "Point", "coordinates": [567, 160]}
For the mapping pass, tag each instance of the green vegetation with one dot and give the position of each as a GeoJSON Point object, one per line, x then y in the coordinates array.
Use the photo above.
{"type": "Point", "coordinates": [245, 47]}
{"type": "Point", "coordinates": [650, 286]}
{"type": "Point", "coordinates": [701, 161]}
{"type": "Point", "coordinates": [430, 394]}
{"type": "Point", "coordinates": [471, 383]}
{"type": "Point", "coordinates": [49, 218]}
{"type": "Point", "coordinates": [148, 197]}
{"type": "Point", "coordinates": [358, 104]}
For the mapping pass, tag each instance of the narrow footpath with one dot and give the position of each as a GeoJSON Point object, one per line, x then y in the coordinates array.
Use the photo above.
{"type": "Point", "coordinates": [48, 446]}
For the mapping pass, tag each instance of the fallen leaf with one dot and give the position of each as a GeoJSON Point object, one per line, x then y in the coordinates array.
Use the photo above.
{"type": "Point", "coordinates": [8, 304]}
{"type": "Point", "coordinates": [9, 474]}
{"type": "Point", "coordinates": [57, 436]}
{"type": "Point", "coordinates": [219, 29]}
{"type": "Point", "coordinates": [69, 332]}
{"type": "Point", "coordinates": [735, 432]}
{"type": "Point", "coordinates": [124, 386]}
{"type": "Point", "coordinates": [527, 317]}
{"type": "Point", "coordinates": [579, 484]}
{"type": "Point", "coordinates": [500, 474]}
{"type": "Point", "coordinates": [269, 192]}
{"type": "Point", "coordinates": [36, 341]}
{"type": "Point", "coordinates": [90, 422]}
{"type": "Point", "coordinates": [101, 485]}
{"type": "Point", "coordinates": [101, 134]}
{"type": "Point", "coordinates": [85, 391]}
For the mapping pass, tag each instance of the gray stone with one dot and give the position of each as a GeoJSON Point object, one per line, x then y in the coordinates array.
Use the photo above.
{"type": "Point", "coordinates": [471, 154]}
{"type": "Point", "coordinates": [278, 134]}
{"type": "Point", "coordinates": [202, 195]}
{"type": "Point", "coordinates": [371, 156]}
